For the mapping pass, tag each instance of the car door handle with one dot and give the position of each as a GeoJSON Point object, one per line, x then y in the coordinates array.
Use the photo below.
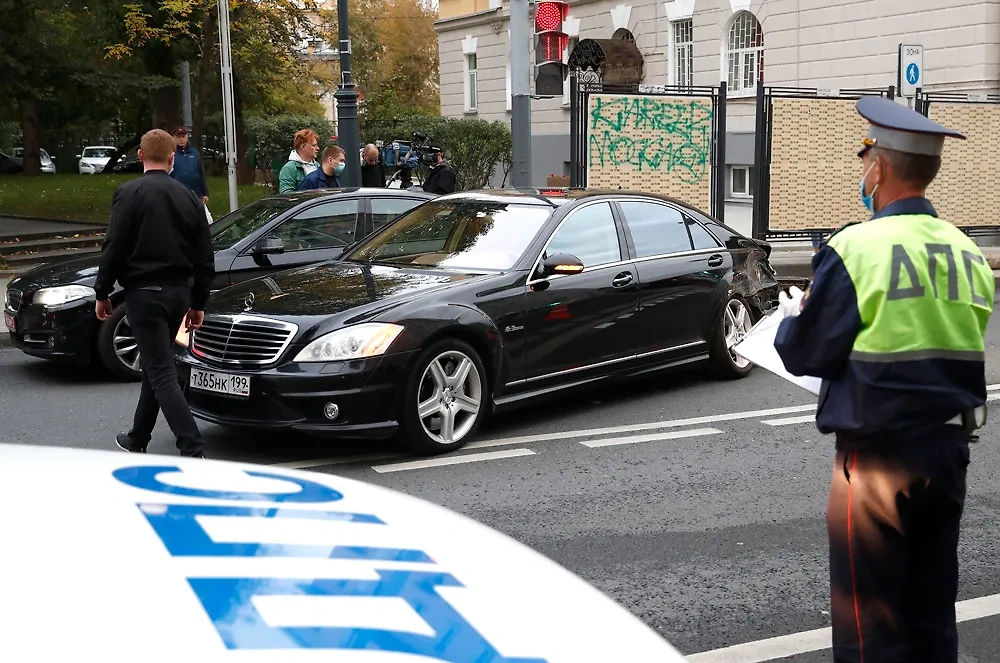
{"type": "Point", "coordinates": [715, 261]}
{"type": "Point", "coordinates": [622, 280]}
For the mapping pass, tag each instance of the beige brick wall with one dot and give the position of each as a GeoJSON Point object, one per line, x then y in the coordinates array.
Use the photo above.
{"type": "Point", "coordinates": [808, 43]}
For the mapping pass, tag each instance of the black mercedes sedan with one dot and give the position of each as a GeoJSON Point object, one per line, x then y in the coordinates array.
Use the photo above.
{"type": "Point", "coordinates": [49, 311]}
{"type": "Point", "coordinates": [472, 303]}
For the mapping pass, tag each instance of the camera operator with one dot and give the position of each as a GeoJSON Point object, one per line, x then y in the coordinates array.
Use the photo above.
{"type": "Point", "coordinates": [442, 177]}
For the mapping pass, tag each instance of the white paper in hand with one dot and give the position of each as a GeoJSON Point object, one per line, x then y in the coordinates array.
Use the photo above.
{"type": "Point", "coordinates": [758, 347]}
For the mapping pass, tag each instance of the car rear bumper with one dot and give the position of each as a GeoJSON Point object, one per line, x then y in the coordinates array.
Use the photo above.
{"type": "Point", "coordinates": [367, 394]}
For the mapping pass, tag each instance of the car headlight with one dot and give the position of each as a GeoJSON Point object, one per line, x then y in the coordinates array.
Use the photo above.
{"type": "Point", "coordinates": [355, 342]}
{"type": "Point", "coordinates": [63, 294]}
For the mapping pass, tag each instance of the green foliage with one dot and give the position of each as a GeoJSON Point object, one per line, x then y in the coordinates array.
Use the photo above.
{"type": "Point", "coordinates": [270, 141]}
{"type": "Point", "coordinates": [475, 148]}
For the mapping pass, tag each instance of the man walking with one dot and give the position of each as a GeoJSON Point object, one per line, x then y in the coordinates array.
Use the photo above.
{"type": "Point", "coordinates": [188, 167]}
{"type": "Point", "coordinates": [158, 248]}
{"type": "Point", "coordinates": [894, 323]}
{"type": "Point", "coordinates": [372, 170]}
{"type": "Point", "coordinates": [328, 174]}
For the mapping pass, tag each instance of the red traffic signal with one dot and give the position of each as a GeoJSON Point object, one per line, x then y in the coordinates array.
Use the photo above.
{"type": "Point", "coordinates": [550, 15]}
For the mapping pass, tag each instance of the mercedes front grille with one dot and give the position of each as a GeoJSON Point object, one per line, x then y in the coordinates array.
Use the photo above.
{"type": "Point", "coordinates": [242, 339]}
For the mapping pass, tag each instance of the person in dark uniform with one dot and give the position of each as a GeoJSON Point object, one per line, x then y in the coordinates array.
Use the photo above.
{"type": "Point", "coordinates": [158, 248]}
{"type": "Point", "coordinates": [894, 323]}
{"type": "Point", "coordinates": [372, 170]}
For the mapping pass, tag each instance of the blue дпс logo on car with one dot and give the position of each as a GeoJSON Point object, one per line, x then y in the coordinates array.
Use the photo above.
{"type": "Point", "coordinates": [229, 601]}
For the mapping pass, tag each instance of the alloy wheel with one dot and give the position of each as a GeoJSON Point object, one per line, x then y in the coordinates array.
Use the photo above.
{"type": "Point", "coordinates": [126, 347]}
{"type": "Point", "coordinates": [449, 397]}
{"type": "Point", "coordinates": [736, 324]}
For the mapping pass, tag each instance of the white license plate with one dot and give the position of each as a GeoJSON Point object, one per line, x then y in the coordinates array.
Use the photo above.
{"type": "Point", "coordinates": [220, 383]}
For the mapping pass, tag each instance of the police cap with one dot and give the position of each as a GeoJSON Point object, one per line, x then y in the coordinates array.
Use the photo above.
{"type": "Point", "coordinates": [896, 127]}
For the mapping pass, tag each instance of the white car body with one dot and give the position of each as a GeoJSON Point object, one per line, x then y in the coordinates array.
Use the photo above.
{"type": "Point", "coordinates": [124, 558]}
{"type": "Point", "coordinates": [94, 158]}
{"type": "Point", "coordinates": [48, 165]}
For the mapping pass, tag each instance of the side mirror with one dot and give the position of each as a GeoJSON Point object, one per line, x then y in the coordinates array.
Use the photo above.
{"type": "Point", "coordinates": [560, 263]}
{"type": "Point", "coordinates": [269, 246]}
{"type": "Point", "coordinates": [79, 156]}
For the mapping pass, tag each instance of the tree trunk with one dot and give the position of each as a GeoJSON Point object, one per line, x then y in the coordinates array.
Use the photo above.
{"type": "Point", "coordinates": [244, 172]}
{"type": "Point", "coordinates": [206, 75]}
{"type": "Point", "coordinates": [29, 129]}
{"type": "Point", "coordinates": [165, 102]}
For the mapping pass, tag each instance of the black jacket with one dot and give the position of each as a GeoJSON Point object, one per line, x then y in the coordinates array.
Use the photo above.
{"type": "Point", "coordinates": [373, 175]}
{"type": "Point", "coordinates": [158, 235]}
{"type": "Point", "coordinates": [441, 180]}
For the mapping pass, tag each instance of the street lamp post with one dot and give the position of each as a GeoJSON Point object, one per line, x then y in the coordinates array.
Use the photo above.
{"type": "Point", "coordinates": [228, 110]}
{"type": "Point", "coordinates": [347, 102]}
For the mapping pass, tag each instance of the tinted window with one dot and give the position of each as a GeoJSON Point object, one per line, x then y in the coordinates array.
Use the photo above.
{"type": "Point", "coordinates": [325, 226]}
{"type": "Point", "coordinates": [98, 152]}
{"type": "Point", "coordinates": [589, 234]}
{"type": "Point", "coordinates": [239, 224]}
{"type": "Point", "coordinates": [467, 234]}
{"type": "Point", "coordinates": [701, 237]}
{"type": "Point", "coordinates": [385, 210]}
{"type": "Point", "coordinates": [656, 229]}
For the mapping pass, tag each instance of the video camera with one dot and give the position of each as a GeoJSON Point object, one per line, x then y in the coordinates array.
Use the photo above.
{"type": "Point", "coordinates": [426, 152]}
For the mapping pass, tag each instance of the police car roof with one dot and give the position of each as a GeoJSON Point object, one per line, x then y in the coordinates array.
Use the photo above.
{"type": "Point", "coordinates": [159, 558]}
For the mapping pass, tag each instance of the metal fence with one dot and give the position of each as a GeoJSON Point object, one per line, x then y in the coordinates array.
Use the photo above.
{"type": "Point", "coordinates": [660, 139]}
{"type": "Point", "coordinates": [806, 156]}
{"type": "Point", "coordinates": [966, 191]}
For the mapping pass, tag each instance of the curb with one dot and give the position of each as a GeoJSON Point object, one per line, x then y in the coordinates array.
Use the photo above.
{"type": "Point", "coordinates": [4, 215]}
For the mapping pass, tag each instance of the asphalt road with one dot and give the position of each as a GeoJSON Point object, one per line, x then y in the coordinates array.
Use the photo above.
{"type": "Point", "coordinates": [697, 504]}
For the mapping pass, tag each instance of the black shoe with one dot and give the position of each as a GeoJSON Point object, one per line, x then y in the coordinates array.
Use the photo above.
{"type": "Point", "coordinates": [128, 444]}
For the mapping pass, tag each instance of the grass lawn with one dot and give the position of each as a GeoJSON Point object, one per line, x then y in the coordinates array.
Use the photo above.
{"type": "Point", "coordinates": [74, 197]}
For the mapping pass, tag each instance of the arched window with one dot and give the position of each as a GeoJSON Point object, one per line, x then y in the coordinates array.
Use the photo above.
{"type": "Point", "coordinates": [745, 53]}
{"type": "Point", "coordinates": [622, 33]}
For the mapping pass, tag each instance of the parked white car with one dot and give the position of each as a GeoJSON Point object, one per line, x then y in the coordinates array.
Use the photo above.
{"type": "Point", "coordinates": [48, 163]}
{"type": "Point", "coordinates": [139, 557]}
{"type": "Point", "coordinates": [95, 158]}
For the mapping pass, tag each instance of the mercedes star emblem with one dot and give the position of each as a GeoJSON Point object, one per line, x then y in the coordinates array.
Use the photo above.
{"type": "Point", "coordinates": [248, 302]}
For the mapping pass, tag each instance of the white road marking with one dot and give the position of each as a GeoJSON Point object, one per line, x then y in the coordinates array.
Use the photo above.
{"type": "Point", "coordinates": [788, 421]}
{"type": "Point", "coordinates": [784, 646]}
{"type": "Point", "coordinates": [337, 460]}
{"type": "Point", "coordinates": [652, 437]}
{"type": "Point", "coordinates": [993, 387]}
{"type": "Point", "coordinates": [451, 460]}
{"type": "Point", "coordinates": [631, 428]}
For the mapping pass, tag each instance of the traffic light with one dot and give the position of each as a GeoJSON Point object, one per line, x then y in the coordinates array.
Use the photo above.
{"type": "Point", "coordinates": [550, 42]}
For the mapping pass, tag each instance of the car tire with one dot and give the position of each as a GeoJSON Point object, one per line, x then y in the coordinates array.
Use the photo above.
{"type": "Point", "coordinates": [465, 398]}
{"type": "Point", "coordinates": [735, 320]}
{"type": "Point", "coordinates": [115, 347]}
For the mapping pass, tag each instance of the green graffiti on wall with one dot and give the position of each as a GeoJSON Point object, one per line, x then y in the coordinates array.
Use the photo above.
{"type": "Point", "coordinates": [649, 134]}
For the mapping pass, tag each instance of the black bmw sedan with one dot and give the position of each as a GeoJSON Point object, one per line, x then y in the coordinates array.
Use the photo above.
{"type": "Point", "coordinates": [472, 303]}
{"type": "Point", "coordinates": [49, 311]}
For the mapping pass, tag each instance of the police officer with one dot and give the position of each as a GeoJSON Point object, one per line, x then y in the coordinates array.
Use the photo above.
{"type": "Point", "coordinates": [894, 322]}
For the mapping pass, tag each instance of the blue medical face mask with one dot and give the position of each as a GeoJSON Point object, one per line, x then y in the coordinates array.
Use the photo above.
{"type": "Point", "coordinates": [869, 200]}
{"type": "Point", "coordinates": [340, 167]}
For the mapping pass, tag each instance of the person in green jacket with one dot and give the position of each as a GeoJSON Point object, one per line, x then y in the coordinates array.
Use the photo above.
{"type": "Point", "coordinates": [301, 161]}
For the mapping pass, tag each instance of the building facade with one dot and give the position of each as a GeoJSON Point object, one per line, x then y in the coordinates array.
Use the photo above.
{"type": "Point", "coordinates": [833, 44]}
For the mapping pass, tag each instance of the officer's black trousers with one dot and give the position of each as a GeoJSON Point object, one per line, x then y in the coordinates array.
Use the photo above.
{"type": "Point", "coordinates": [155, 316]}
{"type": "Point", "coordinates": [893, 521]}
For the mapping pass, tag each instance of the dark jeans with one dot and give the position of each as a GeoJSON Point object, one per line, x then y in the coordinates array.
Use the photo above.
{"type": "Point", "coordinates": [893, 523]}
{"type": "Point", "coordinates": [155, 317]}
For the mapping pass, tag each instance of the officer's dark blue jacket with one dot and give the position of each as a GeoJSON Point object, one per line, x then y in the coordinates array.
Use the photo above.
{"type": "Point", "coordinates": [870, 398]}
{"type": "Point", "coordinates": [318, 179]}
{"type": "Point", "coordinates": [188, 170]}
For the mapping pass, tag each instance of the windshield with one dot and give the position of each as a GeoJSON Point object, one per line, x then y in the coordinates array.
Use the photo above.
{"type": "Point", "coordinates": [468, 235]}
{"type": "Point", "coordinates": [97, 153]}
{"type": "Point", "coordinates": [235, 226]}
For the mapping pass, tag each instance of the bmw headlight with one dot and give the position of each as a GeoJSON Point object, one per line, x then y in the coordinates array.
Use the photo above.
{"type": "Point", "coordinates": [355, 342]}
{"type": "Point", "coordinates": [63, 294]}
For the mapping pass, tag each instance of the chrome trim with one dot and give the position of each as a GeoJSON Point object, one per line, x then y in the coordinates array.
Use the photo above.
{"type": "Point", "coordinates": [692, 252]}
{"type": "Point", "coordinates": [233, 320]}
{"type": "Point", "coordinates": [606, 363]}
